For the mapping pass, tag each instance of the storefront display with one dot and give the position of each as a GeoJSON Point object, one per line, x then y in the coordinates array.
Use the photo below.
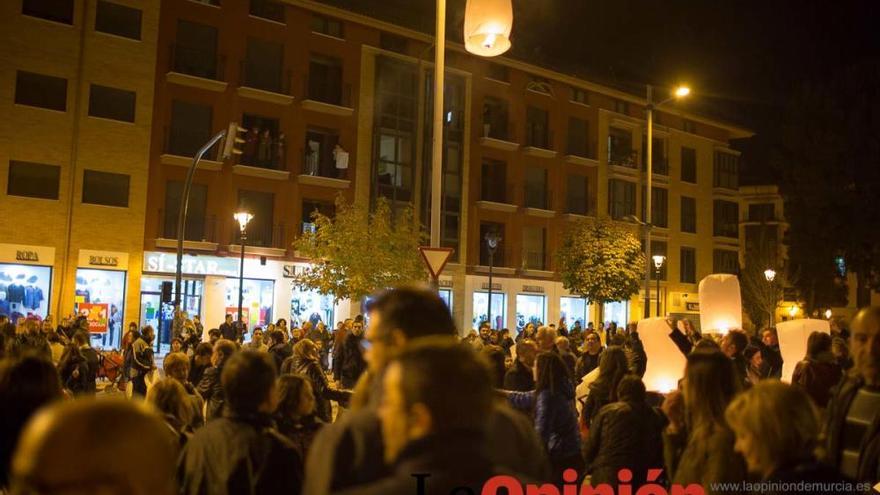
{"type": "Point", "coordinates": [530, 309]}
{"type": "Point", "coordinates": [311, 306]}
{"type": "Point", "coordinates": [97, 291]}
{"type": "Point", "coordinates": [617, 312]}
{"type": "Point", "coordinates": [24, 290]}
{"type": "Point", "coordinates": [446, 295]}
{"type": "Point", "coordinates": [257, 297]}
{"type": "Point", "coordinates": [160, 316]}
{"type": "Point", "coordinates": [573, 310]}
{"type": "Point", "coordinates": [481, 305]}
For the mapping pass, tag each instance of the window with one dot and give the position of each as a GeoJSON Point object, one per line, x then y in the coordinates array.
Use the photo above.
{"type": "Point", "coordinates": [118, 19]}
{"type": "Point", "coordinates": [261, 205]}
{"type": "Point", "coordinates": [493, 181]}
{"type": "Point", "coordinates": [762, 212]}
{"type": "Point", "coordinates": [190, 127]}
{"type": "Point", "coordinates": [577, 195]}
{"type": "Point", "coordinates": [530, 308]}
{"type": "Point", "coordinates": [620, 149]}
{"type": "Point", "coordinates": [621, 106]}
{"type": "Point", "coordinates": [688, 215]}
{"type": "Point", "coordinates": [658, 248]}
{"type": "Point", "coordinates": [195, 50]}
{"type": "Point", "coordinates": [536, 188]}
{"type": "Point", "coordinates": [659, 164]}
{"type": "Point", "coordinates": [33, 180]}
{"type": "Point", "coordinates": [319, 159]}
{"type": "Point", "coordinates": [495, 121]}
{"type": "Point", "coordinates": [105, 188]}
{"type": "Point", "coordinates": [621, 198]}
{"type": "Point", "coordinates": [537, 128]}
{"type": "Point", "coordinates": [578, 132]}
{"type": "Point", "coordinates": [726, 219]}
{"type": "Point", "coordinates": [659, 206]}
{"type": "Point", "coordinates": [111, 103]}
{"type": "Point", "coordinates": [309, 207]}
{"type": "Point", "coordinates": [499, 72]}
{"type": "Point", "coordinates": [726, 170]}
{"type": "Point", "coordinates": [392, 42]}
{"type": "Point", "coordinates": [579, 95]}
{"type": "Point", "coordinates": [725, 261]}
{"type": "Point", "coordinates": [268, 9]}
{"type": "Point", "coordinates": [38, 90]}
{"type": "Point", "coordinates": [196, 228]}
{"type": "Point", "coordinates": [689, 165]}
{"type": "Point", "coordinates": [689, 126]}
{"type": "Point", "coordinates": [262, 66]}
{"type": "Point", "coordinates": [534, 246]}
{"type": "Point", "coordinates": [395, 119]}
{"type": "Point", "coordinates": [688, 265]}
{"type": "Point", "coordinates": [325, 80]}
{"type": "Point", "coordinates": [264, 143]}
{"type": "Point", "coordinates": [497, 228]}
{"type": "Point", "coordinates": [328, 26]}
{"type": "Point", "coordinates": [52, 10]}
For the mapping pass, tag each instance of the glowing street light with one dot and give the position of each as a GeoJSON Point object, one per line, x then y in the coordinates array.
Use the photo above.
{"type": "Point", "coordinates": [658, 259]}
{"type": "Point", "coordinates": [793, 310]}
{"type": "Point", "coordinates": [828, 314]}
{"type": "Point", "coordinates": [770, 274]}
{"type": "Point", "coordinates": [243, 218]}
{"type": "Point", "coordinates": [682, 91]}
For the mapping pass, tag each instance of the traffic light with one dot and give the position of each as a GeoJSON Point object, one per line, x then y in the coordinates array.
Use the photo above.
{"type": "Point", "coordinates": [234, 137]}
{"type": "Point", "coordinates": [166, 291]}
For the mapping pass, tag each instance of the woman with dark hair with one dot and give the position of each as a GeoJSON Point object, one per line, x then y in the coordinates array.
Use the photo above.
{"type": "Point", "coordinates": [555, 415]}
{"type": "Point", "coordinates": [701, 450]}
{"type": "Point", "coordinates": [306, 361]}
{"type": "Point", "coordinates": [338, 338]}
{"type": "Point", "coordinates": [754, 363]}
{"type": "Point", "coordinates": [26, 385]}
{"type": "Point", "coordinates": [74, 370]}
{"type": "Point", "coordinates": [495, 356]}
{"type": "Point", "coordinates": [295, 416]}
{"type": "Point", "coordinates": [613, 365]}
{"type": "Point", "coordinates": [170, 398]}
{"type": "Point", "coordinates": [819, 372]}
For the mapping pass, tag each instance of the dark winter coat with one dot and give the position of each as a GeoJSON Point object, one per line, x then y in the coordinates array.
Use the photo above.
{"type": "Point", "coordinates": [636, 355]}
{"type": "Point", "coordinates": [519, 378]}
{"type": "Point", "coordinates": [280, 352]}
{"type": "Point", "coordinates": [706, 461]}
{"type": "Point", "coordinates": [212, 392]}
{"type": "Point", "coordinates": [585, 364]}
{"type": "Point", "coordinates": [817, 377]}
{"type": "Point", "coordinates": [301, 433]}
{"type": "Point", "coordinates": [229, 331]}
{"type": "Point", "coordinates": [240, 454]}
{"type": "Point", "coordinates": [599, 397]}
{"type": "Point", "coordinates": [869, 450]}
{"type": "Point", "coordinates": [321, 389]}
{"type": "Point", "coordinates": [555, 419]}
{"type": "Point", "coordinates": [352, 362]}
{"type": "Point", "coordinates": [625, 435]}
{"type": "Point", "coordinates": [93, 361]}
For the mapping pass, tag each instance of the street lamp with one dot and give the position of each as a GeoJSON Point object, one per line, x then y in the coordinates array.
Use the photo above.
{"type": "Point", "coordinates": [680, 92]}
{"type": "Point", "coordinates": [770, 275]}
{"type": "Point", "coordinates": [492, 241]}
{"type": "Point", "coordinates": [793, 310]}
{"type": "Point", "coordinates": [243, 218]}
{"type": "Point", "coordinates": [659, 259]}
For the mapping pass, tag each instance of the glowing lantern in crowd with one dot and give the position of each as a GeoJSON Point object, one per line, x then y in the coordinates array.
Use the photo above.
{"type": "Point", "coordinates": [487, 25]}
{"type": "Point", "coordinates": [720, 303]}
{"type": "Point", "coordinates": [665, 360]}
{"type": "Point", "coordinates": [793, 335]}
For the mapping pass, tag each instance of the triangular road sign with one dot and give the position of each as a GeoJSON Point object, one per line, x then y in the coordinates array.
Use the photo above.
{"type": "Point", "coordinates": [435, 258]}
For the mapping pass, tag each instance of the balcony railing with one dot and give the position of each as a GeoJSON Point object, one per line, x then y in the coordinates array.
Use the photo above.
{"type": "Point", "coordinates": [534, 261]}
{"type": "Point", "coordinates": [536, 197]}
{"type": "Point", "coordinates": [267, 152]}
{"type": "Point", "coordinates": [332, 92]}
{"type": "Point", "coordinates": [497, 129]}
{"type": "Point", "coordinates": [197, 62]}
{"type": "Point", "coordinates": [186, 142]}
{"type": "Point", "coordinates": [268, 9]}
{"type": "Point", "coordinates": [267, 236]}
{"type": "Point", "coordinates": [322, 164]}
{"type": "Point", "coordinates": [659, 165]}
{"type": "Point", "coordinates": [623, 157]}
{"type": "Point", "coordinates": [539, 137]}
{"type": "Point", "coordinates": [203, 229]}
{"type": "Point", "coordinates": [581, 149]}
{"type": "Point", "coordinates": [489, 191]}
{"type": "Point", "coordinates": [265, 77]}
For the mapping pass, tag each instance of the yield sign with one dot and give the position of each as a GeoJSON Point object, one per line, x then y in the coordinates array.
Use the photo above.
{"type": "Point", "coordinates": [435, 258]}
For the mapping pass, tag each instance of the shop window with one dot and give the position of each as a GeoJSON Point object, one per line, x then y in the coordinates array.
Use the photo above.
{"type": "Point", "coordinates": [40, 90]}
{"type": "Point", "coordinates": [621, 198]}
{"type": "Point", "coordinates": [534, 248]}
{"type": "Point", "coordinates": [260, 229]}
{"type": "Point", "coordinates": [577, 194]}
{"type": "Point", "coordinates": [530, 309]}
{"type": "Point", "coordinates": [578, 133]}
{"type": "Point", "coordinates": [258, 299]}
{"type": "Point", "coordinates": [481, 307]}
{"type": "Point", "coordinates": [328, 26]}
{"type": "Point", "coordinates": [160, 316]}
{"type": "Point", "coordinates": [575, 311]}
{"type": "Point", "coordinates": [100, 296]}
{"type": "Point", "coordinates": [190, 127]}
{"type": "Point", "coordinates": [688, 265]}
{"type": "Point", "coordinates": [52, 10]}
{"type": "Point", "coordinates": [195, 50]}
{"type": "Point", "coordinates": [111, 103]}
{"type": "Point", "coordinates": [105, 188]}
{"type": "Point", "coordinates": [33, 180]}
{"type": "Point", "coordinates": [688, 215]}
{"type": "Point", "coordinates": [264, 143]}
{"type": "Point", "coordinates": [311, 306]}
{"type": "Point", "coordinates": [24, 290]}
{"type": "Point", "coordinates": [446, 296]}
{"type": "Point", "coordinates": [118, 19]}
{"type": "Point", "coordinates": [325, 79]}
{"type": "Point", "coordinates": [536, 188]}
{"type": "Point", "coordinates": [498, 257]}
{"type": "Point", "coordinates": [617, 312]}
{"type": "Point", "coordinates": [196, 228]}
{"type": "Point", "coordinates": [262, 66]}
{"type": "Point", "coordinates": [689, 165]}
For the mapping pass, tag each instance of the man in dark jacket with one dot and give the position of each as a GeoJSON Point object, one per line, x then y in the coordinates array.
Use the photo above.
{"type": "Point", "coordinates": [242, 452]}
{"type": "Point", "coordinates": [520, 376]}
{"type": "Point", "coordinates": [92, 360]}
{"type": "Point", "coordinates": [589, 360]}
{"type": "Point", "coordinates": [350, 452]}
{"type": "Point", "coordinates": [353, 363]}
{"type": "Point", "coordinates": [733, 345]}
{"type": "Point", "coordinates": [210, 387]}
{"type": "Point", "coordinates": [770, 353]}
{"type": "Point", "coordinates": [852, 430]}
{"type": "Point", "coordinates": [228, 330]}
{"type": "Point", "coordinates": [278, 349]}
{"type": "Point", "coordinates": [200, 361]}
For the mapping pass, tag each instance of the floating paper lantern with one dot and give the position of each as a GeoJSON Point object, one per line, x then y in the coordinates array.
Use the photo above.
{"type": "Point", "coordinates": [720, 303]}
{"type": "Point", "coordinates": [487, 26]}
{"type": "Point", "coordinates": [793, 337]}
{"type": "Point", "coordinates": [665, 361]}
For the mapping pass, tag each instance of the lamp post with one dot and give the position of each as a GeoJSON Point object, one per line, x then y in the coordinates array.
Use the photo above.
{"type": "Point", "coordinates": [680, 92]}
{"type": "Point", "coordinates": [770, 275]}
{"type": "Point", "coordinates": [243, 218]}
{"type": "Point", "coordinates": [659, 259]}
{"type": "Point", "coordinates": [492, 241]}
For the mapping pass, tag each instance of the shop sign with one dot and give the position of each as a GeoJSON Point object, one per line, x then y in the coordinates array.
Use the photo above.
{"type": "Point", "coordinates": [533, 288]}
{"type": "Point", "coordinates": [446, 284]}
{"type": "Point", "coordinates": [96, 314]}
{"type": "Point", "coordinates": [495, 287]}
{"type": "Point", "coordinates": [103, 259]}
{"type": "Point", "coordinates": [692, 306]}
{"type": "Point", "coordinates": [31, 255]}
{"type": "Point", "coordinates": [290, 271]}
{"type": "Point", "coordinates": [191, 265]}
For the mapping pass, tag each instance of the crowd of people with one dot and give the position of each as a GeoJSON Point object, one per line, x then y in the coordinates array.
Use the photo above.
{"type": "Point", "coordinates": [398, 403]}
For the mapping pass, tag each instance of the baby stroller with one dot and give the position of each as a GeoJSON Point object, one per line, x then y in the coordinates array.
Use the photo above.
{"type": "Point", "coordinates": [110, 369]}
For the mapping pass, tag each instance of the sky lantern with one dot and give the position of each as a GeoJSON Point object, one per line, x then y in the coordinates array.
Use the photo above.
{"type": "Point", "coordinates": [665, 361]}
{"type": "Point", "coordinates": [720, 303]}
{"type": "Point", "coordinates": [487, 26]}
{"type": "Point", "coordinates": [793, 335]}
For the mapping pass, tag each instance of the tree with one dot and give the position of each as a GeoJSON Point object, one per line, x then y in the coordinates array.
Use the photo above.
{"type": "Point", "coordinates": [602, 261]}
{"type": "Point", "coordinates": [359, 252]}
{"type": "Point", "coordinates": [760, 296]}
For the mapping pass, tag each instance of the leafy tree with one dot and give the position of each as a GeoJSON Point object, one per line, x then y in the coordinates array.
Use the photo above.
{"type": "Point", "coordinates": [759, 296]}
{"type": "Point", "coordinates": [602, 261]}
{"type": "Point", "coordinates": [359, 252]}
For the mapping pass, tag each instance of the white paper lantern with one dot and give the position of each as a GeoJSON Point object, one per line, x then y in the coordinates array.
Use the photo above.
{"type": "Point", "coordinates": [487, 26]}
{"type": "Point", "coordinates": [665, 361]}
{"type": "Point", "coordinates": [793, 337]}
{"type": "Point", "coordinates": [720, 303]}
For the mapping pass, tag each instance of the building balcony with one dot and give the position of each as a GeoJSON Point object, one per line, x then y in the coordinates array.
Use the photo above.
{"type": "Point", "coordinates": [268, 10]}
{"type": "Point", "coordinates": [539, 144]}
{"type": "Point", "coordinates": [327, 98]}
{"type": "Point", "coordinates": [496, 206]}
{"type": "Point", "coordinates": [539, 212]}
{"type": "Point", "coordinates": [267, 84]}
{"type": "Point", "coordinates": [180, 147]}
{"type": "Point", "coordinates": [200, 233]}
{"type": "Point", "coordinates": [500, 136]}
{"type": "Point", "coordinates": [581, 160]}
{"type": "Point", "coordinates": [196, 68]}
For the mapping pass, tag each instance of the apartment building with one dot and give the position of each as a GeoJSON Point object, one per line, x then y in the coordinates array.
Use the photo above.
{"type": "Point", "coordinates": [527, 151]}
{"type": "Point", "coordinates": [76, 93]}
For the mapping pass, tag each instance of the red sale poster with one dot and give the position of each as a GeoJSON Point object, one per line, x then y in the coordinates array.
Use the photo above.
{"type": "Point", "coordinates": [96, 314]}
